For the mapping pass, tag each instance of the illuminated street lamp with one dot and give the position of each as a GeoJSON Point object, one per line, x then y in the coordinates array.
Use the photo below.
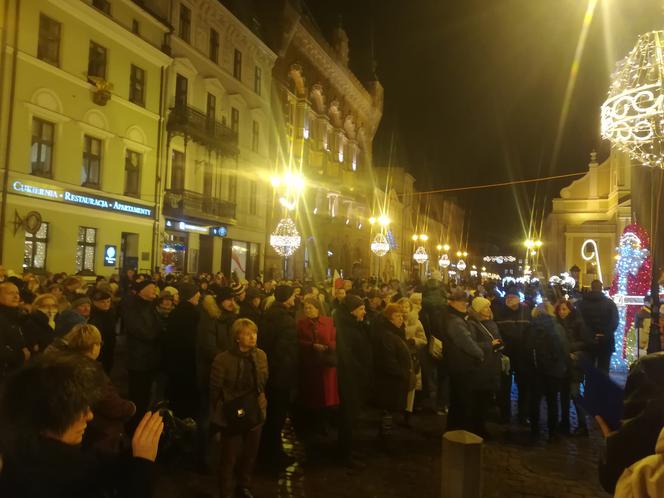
{"type": "Point", "coordinates": [380, 246]}
{"type": "Point", "coordinates": [461, 265]}
{"type": "Point", "coordinates": [420, 256]}
{"type": "Point", "coordinates": [446, 248]}
{"type": "Point", "coordinates": [439, 247]}
{"type": "Point", "coordinates": [444, 261]}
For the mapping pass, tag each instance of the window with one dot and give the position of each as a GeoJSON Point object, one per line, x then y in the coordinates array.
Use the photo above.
{"type": "Point", "coordinates": [255, 129]}
{"type": "Point", "coordinates": [91, 173]}
{"type": "Point", "coordinates": [258, 76]}
{"type": "Point", "coordinates": [208, 181]}
{"type": "Point", "coordinates": [103, 5]}
{"type": "Point", "coordinates": [48, 47]}
{"type": "Point", "coordinates": [181, 85]}
{"type": "Point", "coordinates": [135, 27]}
{"type": "Point", "coordinates": [211, 110]}
{"type": "Point", "coordinates": [237, 65]}
{"type": "Point", "coordinates": [41, 153]}
{"type": "Point", "coordinates": [133, 162]}
{"type": "Point", "coordinates": [137, 85]}
{"type": "Point", "coordinates": [253, 197]}
{"type": "Point", "coordinates": [177, 172]}
{"type": "Point", "coordinates": [97, 61]}
{"type": "Point", "coordinates": [232, 186]}
{"type": "Point", "coordinates": [34, 252]}
{"type": "Point", "coordinates": [86, 249]}
{"type": "Point", "coordinates": [235, 120]}
{"type": "Point", "coordinates": [185, 23]}
{"type": "Point", "coordinates": [214, 45]}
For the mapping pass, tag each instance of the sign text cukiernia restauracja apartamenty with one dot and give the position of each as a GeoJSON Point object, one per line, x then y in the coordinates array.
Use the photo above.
{"type": "Point", "coordinates": [59, 194]}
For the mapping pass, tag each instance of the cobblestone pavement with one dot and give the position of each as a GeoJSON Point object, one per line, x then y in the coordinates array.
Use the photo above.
{"type": "Point", "coordinates": [514, 467]}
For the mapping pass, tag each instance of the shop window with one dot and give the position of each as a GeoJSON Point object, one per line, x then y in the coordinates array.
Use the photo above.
{"type": "Point", "coordinates": [34, 253]}
{"type": "Point", "coordinates": [253, 197]}
{"type": "Point", "coordinates": [258, 83]}
{"type": "Point", "coordinates": [174, 252]}
{"type": "Point", "coordinates": [214, 45]}
{"type": "Point", "coordinates": [185, 23]}
{"type": "Point", "coordinates": [239, 259]}
{"type": "Point", "coordinates": [103, 5]}
{"type": "Point", "coordinates": [97, 61]}
{"type": "Point", "coordinates": [48, 47]}
{"type": "Point", "coordinates": [235, 121]}
{"type": "Point", "coordinates": [237, 65]}
{"type": "Point", "coordinates": [255, 130]}
{"type": "Point", "coordinates": [133, 162]}
{"type": "Point", "coordinates": [91, 173]}
{"type": "Point", "coordinates": [86, 249]}
{"type": "Point", "coordinates": [137, 85]}
{"type": "Point", "coordinates": [41, 152]}
{"type": "Point", "coordinates": [177, 170]}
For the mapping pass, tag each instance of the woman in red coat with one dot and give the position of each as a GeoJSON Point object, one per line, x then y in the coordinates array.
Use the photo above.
{"type": "Point", "coordinates": [318, 373]}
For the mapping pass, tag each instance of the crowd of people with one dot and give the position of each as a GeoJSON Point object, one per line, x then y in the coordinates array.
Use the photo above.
{"type": "Point", "coordinates": [243, 357]}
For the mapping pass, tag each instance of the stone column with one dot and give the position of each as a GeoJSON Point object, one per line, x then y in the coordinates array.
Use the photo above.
{"type": "Point", "coordinates": [461, 474]}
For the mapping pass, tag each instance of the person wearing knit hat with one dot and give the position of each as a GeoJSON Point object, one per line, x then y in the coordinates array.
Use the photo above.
{"type": "Point", "coordinates": [225, 299]}
{"type": "Point", "coordinates": [79, 312]}
{"type": "Point", "coordinates": [251, 306]}
{"type": "Point", "coordinates": [175, 293]}
{"type": "Point", "coordinates": [482, 306]}
{"type": "Point", "coordinates": [104, 317]}
{"type": "Point", "coordinates": [283, 293]}
{"type": "Point", "coordinates": [239, 292]}
{"type": "Point", "coordinates": [186, 291]}
{"type": "Point", "coordinates": [352, 302]}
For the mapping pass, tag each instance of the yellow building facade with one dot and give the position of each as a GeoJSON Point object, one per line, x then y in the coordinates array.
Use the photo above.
{"type": "Point", "coordinates": [80, 135]}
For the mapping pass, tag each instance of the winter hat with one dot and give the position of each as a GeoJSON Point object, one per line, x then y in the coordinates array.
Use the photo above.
{"type": "Point", "coordinates": [339, 283]}
{"type": "Point", "coordinates": [186, 291]}
{"type": "Point", "coordinates": [352, 302]}
{"type": "Point", "coordinates": [252, 293]}
{"type": "Point", "coordinates": [238, 289]}
{"type": "Point", "coordinates": [223, 294]}
{"type": "Point", "coordinates": [458, 294]}
{"type": "Point", "coordinates": [80, 300]}
{"type": "Point", "coordinates": [283, 293]}
{"type": "Point", "coordinates": [416, 298]}
{"type": "Point", "coordinates": [139, 286]}
{"type": "Point", "coordinates": [172, 290]}
{"type": "Point", "coordinates": [100, 295]}
{"type": "Point", "coordinates": [480, 303]}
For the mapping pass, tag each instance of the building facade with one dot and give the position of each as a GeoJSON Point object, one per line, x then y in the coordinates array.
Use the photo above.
{"type": "Point", "coordinates": [80, 127]}
{"type": "Point", "coordinates": [596, 207]}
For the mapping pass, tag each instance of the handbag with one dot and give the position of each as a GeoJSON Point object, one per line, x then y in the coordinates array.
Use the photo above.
{"type": "Point", "coordinates": [243, 413]}
{"type": "Point", "coordinates": [326, 358]}
{"type": "Point", "coordinates": [435, 348]}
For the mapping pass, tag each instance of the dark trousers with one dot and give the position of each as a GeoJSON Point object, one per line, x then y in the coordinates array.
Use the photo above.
{"type": "Point", "coordinates": [480, 403]}
{"type": "Point", "coordinates": [549, 387]}
{"type": "Point", "coordinates": [460, 414]}
{"type": "Point", "coordinates": [505, 396]}
{"type": "Point", "coordinates": [566, 395]}
{"type": "Point", "coordinates": [604, 360]}
{"type": "Point", "coordinates": [278, 404]}
{"type": "Point", "coordinates": [238, 455]}
{"type": "Point", "coordinates": [141, 390]}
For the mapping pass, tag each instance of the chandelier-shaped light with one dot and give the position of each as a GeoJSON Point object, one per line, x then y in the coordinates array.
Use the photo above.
{"type": "Point", "coordinates": [444, 261]}
{"type": "Point", "coordinates": [633, 114]}
{"type": "Point", "coordinates": [285, 239]}
{"type": "Point", "coordinates": [420, 255]}
{"type": "Point", "coordinates": [461, 265]}
{"type": "Point", "coordinates": [380, 246]}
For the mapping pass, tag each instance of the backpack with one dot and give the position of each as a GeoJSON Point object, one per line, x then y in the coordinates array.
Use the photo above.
{"type": "Point", "coordinates": [541, 350]}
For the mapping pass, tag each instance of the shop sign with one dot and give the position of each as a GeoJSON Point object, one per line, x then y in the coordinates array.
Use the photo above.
{"type": "Point", "coordinates": [60, 194]}
{"type": "Point", "coordinates": [183, 226]}
{"type": "Point", "coordinates": [219, 231]}
{"type": "Point", "coordinates": [110, 255]}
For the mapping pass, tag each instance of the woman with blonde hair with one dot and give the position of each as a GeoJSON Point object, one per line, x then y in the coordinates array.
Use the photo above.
{"type": "Point", "coordinates": [416, 340]}
{"type": "Point", "coordinates": [237, 402]}
{"type": "Point", "coordinates": [39, 328]}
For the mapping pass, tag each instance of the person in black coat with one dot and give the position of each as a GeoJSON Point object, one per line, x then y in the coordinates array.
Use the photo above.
{"type": "Point", "coordinates": [179, 353]}
{"type": "Point", "coordinates": [103, 317]}
{"type": "Point", "coordinates": [250, 306]}
{"type": "Point", "coordinates": [13, 348]}
{"type": "Point", "coordinates": [143, 329]}
{"type": "Point", "coordinates": [44, 413]}
{"type": "Point", "coordinates": [38, 328]}
{"type": "Point", "coordinates": [513, 317]}
{"type": "Point", "coordinates": [601, 316]}
{"type": "Point", "coordinates": [394, 375]}
{"type": "Point", "coordinates": [278, 338]}
{"type": "Point", "coordinates": [580, 341]}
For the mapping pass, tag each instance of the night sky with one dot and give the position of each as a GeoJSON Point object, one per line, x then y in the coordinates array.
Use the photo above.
{"type": "Point", "coordinates": [474, 91]}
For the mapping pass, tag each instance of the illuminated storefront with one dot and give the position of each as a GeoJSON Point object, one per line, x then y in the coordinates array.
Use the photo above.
{"type": "Point", "coordinates": [189, 247]}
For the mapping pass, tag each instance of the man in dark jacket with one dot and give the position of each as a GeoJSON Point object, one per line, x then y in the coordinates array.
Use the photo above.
{"type": "Point", "coordinates": [143, 328]}
{"type": "Point", "coordinates": [250, 307]}
{"type": "Point", "coordinates": [78, 313]}
{"type": "Point", "coordinates": [433, 316]}
{"type": "Point", "coordinates": [601, 316]}
{"type": "Point", "coordinates": [103, 317]}
{"type": "Point", "coordinates": [512, 318]}
{"type": "Point", "coordinates": [278, 338]}
{"type": "Point", "coordinates": [354, 369]}
{"type": "Point", "coordinates": [13, 350]}
{"type": "Point", "coordinates": [179, 349]}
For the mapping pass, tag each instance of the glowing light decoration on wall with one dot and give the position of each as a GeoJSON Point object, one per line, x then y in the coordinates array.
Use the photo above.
{"type": "Point", "coordinates": [461, 265]}
{"type": "Point", "coordinates": [444, 261]}
{"type": "Point", "coordinates": [420, 255]}
{"type": "Point", "coordinates": [594, 254]}
{"type": "Point", "coordinates": [632, 280]}
{"type": "Point", "coordinates": [633, 114]}
{"type": "Point", "coordinates": [380, 246]}
{"type": "Point", "coordinates": [285, 239]}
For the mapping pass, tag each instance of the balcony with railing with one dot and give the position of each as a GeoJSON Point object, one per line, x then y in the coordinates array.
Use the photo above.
{"type": "Point", "coordinates": [201, 128]}
{"type": "Point", "coordinates": [193, 205]}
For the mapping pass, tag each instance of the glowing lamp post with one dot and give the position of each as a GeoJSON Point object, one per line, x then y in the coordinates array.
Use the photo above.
{"type": "Point", "coordinates": [380, 246]}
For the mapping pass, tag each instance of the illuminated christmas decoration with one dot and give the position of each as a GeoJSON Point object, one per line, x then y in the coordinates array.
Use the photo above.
{"type": "Point", "coordinates": [380, 246]}
{"type": "Point", "coordinates": [461, 265]}
{"type": "Point", "coordinates": [632, 280]}
{"type": "Point", "coordinates": [594, 254]}
{"type": "Point", "coordinates": [499, 259]}
{"type": "Point", "coordinates": [285, 239]}
{"type": "Point", "coordinates": [444, 261]}
{"type": "Point", "coordinates": [421, 255]}
{"type": "Point", "coordinates": [633, 114]}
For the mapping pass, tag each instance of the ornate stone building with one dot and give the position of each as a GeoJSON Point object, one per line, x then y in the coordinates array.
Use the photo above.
{"type": "Point", "coordinates": [326, 120]}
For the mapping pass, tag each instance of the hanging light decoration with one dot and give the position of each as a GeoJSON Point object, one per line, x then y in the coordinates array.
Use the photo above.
{"type": "Point", "coordinates": [444, 261]}
{"type": "Point", "coordinates": [380, 246]}
{"type": "Point", "coordinates": [420, 255]}
{"type": "Point", "coordinates": [285, 239]}
{"type": "Point", "coordinates": [461, 265]}
{"type": "Point", "coordinates": [633, 114]}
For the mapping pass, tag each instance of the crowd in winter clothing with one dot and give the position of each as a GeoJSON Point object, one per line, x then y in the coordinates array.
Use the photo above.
{"type": "Point", "coordinates": [242, 358]}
